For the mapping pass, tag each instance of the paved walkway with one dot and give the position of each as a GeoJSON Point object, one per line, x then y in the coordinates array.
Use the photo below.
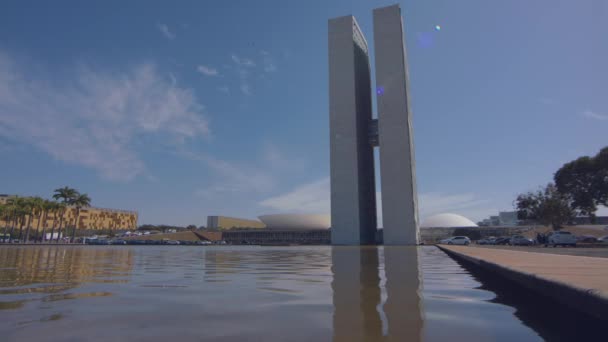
{"type": "Point", "coordinates": [578, 281]}
{"type": "Point", "coordinates": [601, 252]}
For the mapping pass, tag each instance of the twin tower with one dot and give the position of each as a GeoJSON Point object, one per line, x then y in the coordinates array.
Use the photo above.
{"type": "Point", "coordinates": [354, 133]}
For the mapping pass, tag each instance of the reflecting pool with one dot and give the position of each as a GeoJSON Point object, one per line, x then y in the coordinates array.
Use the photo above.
{"type": "Point", "coordinates": [213, 293]}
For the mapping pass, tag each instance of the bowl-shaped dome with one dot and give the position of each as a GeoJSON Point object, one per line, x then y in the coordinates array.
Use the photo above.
{"type": "Point", "coordinates": [447, 221]}
{"type": "Point", "coordinates": [296, 221]}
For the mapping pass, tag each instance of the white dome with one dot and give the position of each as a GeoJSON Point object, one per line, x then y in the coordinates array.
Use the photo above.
{"type": "Point", "coordinates": [447, 221]}
{"type": "Point", "coordinates": [296, 221]}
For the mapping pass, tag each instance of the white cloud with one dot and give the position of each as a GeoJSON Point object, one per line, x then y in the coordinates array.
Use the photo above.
{"type": "Point", "coordinates": [207, 71]}
{"type": "Point", "coordinates": [164, 29]}
{"type": "Point", "coordinates": [270, 67]}
{"type": "Point", "coordinates": [242, 68]}
{"type": "Point", "coordinates": [242, 61]}
{"type": "Point", "coordinates": [308, 198]}
{"type": "Point", "coordinates": [245, 89]}
{"type": "Point", "coordinates": [594, 115]}
{"type": "Point", "coordinates": [224, 89]}
{"type": "Point", "coordinates": [94, 118]}
{"type": "Point", "coordinates": [268, 62]}
{"type": "Point", "coordinates": [314, 197]}
{"type": "Point", "coordinates": [232, 178]}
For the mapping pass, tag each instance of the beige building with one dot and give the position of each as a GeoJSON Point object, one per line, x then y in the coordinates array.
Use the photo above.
{"type": "Point", "coordinates": [90, 218]}
{"type": "Point", "coordinates": [224, 222]}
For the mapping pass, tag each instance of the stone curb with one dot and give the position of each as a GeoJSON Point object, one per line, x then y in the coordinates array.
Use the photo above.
{"type": "Point", "coordinates": [576, 298]}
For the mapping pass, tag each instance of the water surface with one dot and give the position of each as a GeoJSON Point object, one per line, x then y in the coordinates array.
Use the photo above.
{"type": "Point", "coordinates": [157, 293]}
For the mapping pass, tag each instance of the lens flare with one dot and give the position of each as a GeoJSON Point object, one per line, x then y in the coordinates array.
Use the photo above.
{"type": "Point", "coordinates": [437, 28]}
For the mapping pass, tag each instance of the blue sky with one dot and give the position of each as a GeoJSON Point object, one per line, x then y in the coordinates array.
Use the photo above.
{"type": "Point", "coordinates": [191, 108]}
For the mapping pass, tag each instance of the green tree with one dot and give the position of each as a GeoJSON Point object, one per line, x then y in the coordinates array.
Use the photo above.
{"type": "Point", "coordinates": [57, 209]}
{"type": "Point", "coordinates": [546, 206]}
{"type": "Point", "coordinates": [35, 207]}
{"type": "Point", "coordinates": [47, 208]}
{"type": "Point", "coordinates": [79, 201]}
{"type": "Point", "coordinates": [6, 215]}
{"type": "Point", "coordinates": [20, 207]}
{"type": "Point", "coordinates": [585, 182]}
{"type": "Point", "coordinates": [65, 195]}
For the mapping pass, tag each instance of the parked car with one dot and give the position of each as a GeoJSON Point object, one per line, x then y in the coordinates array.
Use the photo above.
{"type": "Point", "coordinates": [520, 240]}
{"type": "Point", "coordinates": [172, 242]}
{"type": "Point", "coordinates": [561, 238]}
{"type": "Point", "coordinates": [603, 239]}
{"type": "Point", "coordinates": [502, 241]}
{"type": "Point", "coordinates": [586, 239]}
{"type": "Point", "coordinates": [487, 241]}
{"type": "Point", "coordinates": [458, 240]}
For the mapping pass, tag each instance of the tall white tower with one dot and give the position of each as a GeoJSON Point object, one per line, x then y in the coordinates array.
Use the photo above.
{"type": "Point", "coordinates": [397, 162]}
{"type": "Point", "coordinates": [353, 133]}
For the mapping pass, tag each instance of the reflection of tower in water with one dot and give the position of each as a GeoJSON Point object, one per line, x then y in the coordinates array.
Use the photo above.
{"type": "Point", "coordinates": [403, 307]}
{"type": "Point", "coordinates": [357, 294]}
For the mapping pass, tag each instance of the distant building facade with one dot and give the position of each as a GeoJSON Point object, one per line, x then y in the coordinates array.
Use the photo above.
{"type": "Point", "coordinates": [225, 222]}
{"type": "Point", "coordinates": [90, 218]}
{"type": "Point", "coordinates": [507, 218]}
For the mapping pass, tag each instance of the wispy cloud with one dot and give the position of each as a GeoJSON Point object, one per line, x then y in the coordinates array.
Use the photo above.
{"type": "Point", "coordinates": [435, 203]}
{"type": "Point", "coordinates": [246, 62]}
{"type": "Point", "coordinates": [94, 118]}
{"type": "Point", "coordinates": [232, 178]}
{"type": "Point", "coordinates": [224, 89]}
{"type": "Point", "coordinates": [268, 61]}
{"type": "Point", "coordinates": [314, 197]}
{"type": "Point", "coordinates": [243, 65]}
{"type": "Point", "coordinates": [164, 29]}
{"type": "Point", "coordinates": [207, 71]}
{"type": "Point", "coordinates": [246, 88]}
{"type": "Point", "coordinates": [307, 198]}
{"type": "Point", "coordinates": [594, 115]}
{"type": "Point", "coordinates": [237, 179]}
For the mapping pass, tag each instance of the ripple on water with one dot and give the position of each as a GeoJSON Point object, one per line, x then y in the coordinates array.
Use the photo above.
{"type": "Point", "coordinates": [249, 293]}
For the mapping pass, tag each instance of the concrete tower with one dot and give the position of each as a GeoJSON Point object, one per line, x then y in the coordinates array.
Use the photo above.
{"type": "Point", "coordinates": [397, 162]}
{"type": "Point", "coordinates": [353, 189]}
{"type": "Point", "coordinates": [353, 133]}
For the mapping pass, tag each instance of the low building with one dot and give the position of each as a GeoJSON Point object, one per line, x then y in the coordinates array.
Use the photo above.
{"type": "Point", "coordinates": [90, 218]}
{"type": "Point", "coordinates": [507, 218]}
{"type": "Point", "coordinates": [225, 222]}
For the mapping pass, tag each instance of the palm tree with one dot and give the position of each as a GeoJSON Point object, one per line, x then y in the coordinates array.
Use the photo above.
{"type": "Point", "coordinates": [56, 208]}
{"type": "Point", "coordinates": [47, 206]}
{"type": "Point", "coordinates": [65, 194]}
{"type": "Point", "coordinates": [11, 218]}
{"type": "Point", "coordinates": [20, 211]}
{"type": "Point", "coordinates": [80, 201]}
{"type": "Point", "coordinates": [36, 208]}
{"type": "Point", "coordinates": [5, 215]}
{"type": "Point", "coordinates": [61, 209]}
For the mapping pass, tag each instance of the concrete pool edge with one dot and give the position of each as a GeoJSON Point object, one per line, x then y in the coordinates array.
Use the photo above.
{"type": "Point", "coordinates": [585, 300]}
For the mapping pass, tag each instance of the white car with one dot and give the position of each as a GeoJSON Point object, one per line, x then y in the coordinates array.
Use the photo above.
{"type": "Point", "coordinates": [603, 239]}
{"type": "Point", "coordinates": [457, 240]}
{"type": "Point", "coordinates": [561, 238]}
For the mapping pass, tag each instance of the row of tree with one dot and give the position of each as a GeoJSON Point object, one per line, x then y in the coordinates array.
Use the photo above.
{"type": "Point", "coordinates": [579, 187]}
{"type": "Point", "coordinates": [19, 212]}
